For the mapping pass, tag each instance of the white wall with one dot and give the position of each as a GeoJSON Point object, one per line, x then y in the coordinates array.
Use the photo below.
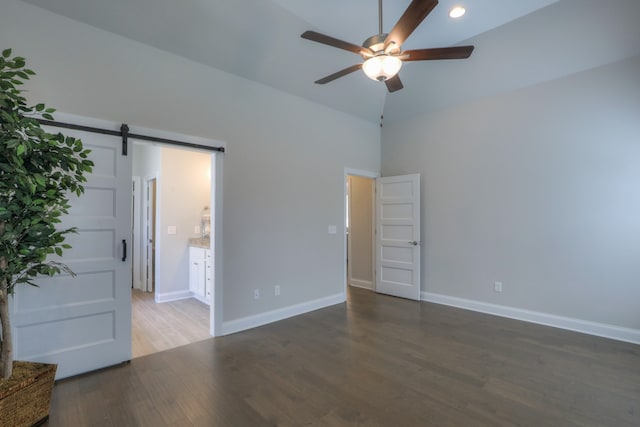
{"type": "Point", "coordinates": [184, 189]}
{"type": "Point", "coordinates": [538, 189]}
{"type": "Point", "coordinates": [284, 166]}
{"type": "Point", "coordinates": [146, 160]}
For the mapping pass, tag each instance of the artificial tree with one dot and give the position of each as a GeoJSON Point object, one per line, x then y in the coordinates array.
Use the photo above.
{"type": "Point", "coordinates": [39, 171]}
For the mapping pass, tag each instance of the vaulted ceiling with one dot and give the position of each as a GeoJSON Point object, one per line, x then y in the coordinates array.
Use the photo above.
{"type": "Point", "coordinates": [518, 43]}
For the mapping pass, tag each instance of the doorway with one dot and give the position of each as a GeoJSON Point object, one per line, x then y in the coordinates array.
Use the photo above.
{"type": "Point", "coordinates": [360, 229]}
{"type": "Point", "coordinates": [382, 223]}
{"type": "Point", "coordinates": [144, 232]}
{"type": "Point", "coordinates": [176, 183]}
{"type": "Point", "coordinates": [100, 257]}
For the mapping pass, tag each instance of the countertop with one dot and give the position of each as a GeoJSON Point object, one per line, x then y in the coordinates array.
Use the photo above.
{"type": "Point", "coordinates": [200, 242]}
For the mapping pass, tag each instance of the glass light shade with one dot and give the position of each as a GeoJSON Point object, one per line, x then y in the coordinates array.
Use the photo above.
{"type": "Point", "coordinates": [381, 67]}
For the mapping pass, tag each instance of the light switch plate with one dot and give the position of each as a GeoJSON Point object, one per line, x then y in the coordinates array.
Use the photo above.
{"type": "Point", "coordinates": [172, 229]}
{"type": "Point", "coordinates": [332, 229]}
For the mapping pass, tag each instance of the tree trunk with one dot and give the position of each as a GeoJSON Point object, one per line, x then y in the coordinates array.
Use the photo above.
{"type": "Point", "coordinates": [6, 343]}
{"type": "Point", "coordinates": [6, 354]}
{"type": "Point", "coordinates": [6, 340]}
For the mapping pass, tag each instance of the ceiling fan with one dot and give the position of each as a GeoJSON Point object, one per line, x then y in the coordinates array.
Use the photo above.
{"type": "Point", "coordinates": [382, 52]}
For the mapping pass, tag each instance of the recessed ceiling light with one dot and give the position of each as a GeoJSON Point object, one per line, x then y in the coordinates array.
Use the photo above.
{"type": "Point", "coordinates": [457, 12]}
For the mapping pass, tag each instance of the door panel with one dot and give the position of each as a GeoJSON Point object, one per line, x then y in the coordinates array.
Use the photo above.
{"type": "Point", "coordinates": [83, 323]}
{"type": "Point", "coordinates": [398, 236]}
{"type": "Point", "coordinates": [150, 233]}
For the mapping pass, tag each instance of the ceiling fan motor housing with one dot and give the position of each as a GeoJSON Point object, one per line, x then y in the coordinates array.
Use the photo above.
{"type": "Point", "coordinates": [375, 43]}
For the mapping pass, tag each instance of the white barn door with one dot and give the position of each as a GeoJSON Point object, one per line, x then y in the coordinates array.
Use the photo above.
{"type": "Point", "coordinates": [398, 236]}
{"type": "Point", "coordinates": [84, 323]}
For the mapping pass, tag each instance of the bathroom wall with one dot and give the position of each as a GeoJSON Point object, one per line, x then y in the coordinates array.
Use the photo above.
{"type": "Point", "coordinates": [183, 191]}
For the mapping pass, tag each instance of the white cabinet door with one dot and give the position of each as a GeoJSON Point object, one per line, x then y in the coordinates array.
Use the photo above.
{"type": "Point", "coordinates": [197, 270]}
{"type": "Point", "coordinates": [398, 236]}
{"type": "Point", "coordinates": [84, 323]}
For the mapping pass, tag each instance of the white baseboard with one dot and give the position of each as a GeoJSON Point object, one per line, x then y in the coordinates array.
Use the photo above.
{"type": "Point", "coordinates": [365, 284]}
{"type": "Point", "coordinates": [201, 299]}
{"type": "Point", "coordinates": [249, 322]}
{"type": "Point", "coordinates": [577, 325]}
{"type": "Point", "coordinates": [173, 296]}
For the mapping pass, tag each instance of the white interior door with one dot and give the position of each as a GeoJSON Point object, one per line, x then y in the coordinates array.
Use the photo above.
{"type": "Point", "coordinates": [136, 234]}
{"type": "Point", "coordinates": [150, 233]}
{"type": "Point", "coordinates": [398, 236]}
{"type": "Point", "coordinates": [84, 323]}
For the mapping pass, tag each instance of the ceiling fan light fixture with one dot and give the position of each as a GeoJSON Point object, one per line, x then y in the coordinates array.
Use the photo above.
{"type": "Point", "coordinates": [382, 67]}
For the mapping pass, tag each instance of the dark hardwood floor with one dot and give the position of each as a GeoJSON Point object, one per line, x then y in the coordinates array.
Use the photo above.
{"type": "Point", "coordinates": [376, 361]}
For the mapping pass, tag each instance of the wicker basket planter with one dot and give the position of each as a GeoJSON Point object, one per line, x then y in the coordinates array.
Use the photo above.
{"type": "Point", "coordinates": [26, 396]}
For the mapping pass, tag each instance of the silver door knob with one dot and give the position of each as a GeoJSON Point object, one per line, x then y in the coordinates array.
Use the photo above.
{"type": "Point", "coordinates": [414, 243]}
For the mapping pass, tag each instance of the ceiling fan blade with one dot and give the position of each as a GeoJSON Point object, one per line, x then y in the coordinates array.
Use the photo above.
{"type": "Point", "coordinates": [330, 41]}
{"type": "Point", "coordinates": [339, 74]}
{"type": "Point", "coordinates": [393, 84]}
{"type": "Point", "coordinates": [409, 21]}
{"type": "Point", "coordinates": [457, 52]}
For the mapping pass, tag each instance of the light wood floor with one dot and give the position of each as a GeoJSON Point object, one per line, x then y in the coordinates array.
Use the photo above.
{"type": "Point", "coordinates": [377, 361]}
{"type": "Point", "coordinates": [159, 327]}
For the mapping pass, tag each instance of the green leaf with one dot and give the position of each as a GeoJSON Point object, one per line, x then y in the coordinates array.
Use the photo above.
{"type": "Point", "coordinates": [38, 173]}
{"type": "Point", "coordinates": [39, 179]}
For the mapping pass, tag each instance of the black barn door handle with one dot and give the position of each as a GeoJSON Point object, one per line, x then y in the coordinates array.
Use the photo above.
{"type": "Point", "coordinates": [124, 250]}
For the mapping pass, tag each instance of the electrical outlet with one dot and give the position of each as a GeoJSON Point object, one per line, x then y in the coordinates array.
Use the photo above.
{"type": "Point", "coordinates": [276, 290]}
{"type": "Point", "coordinates": [497, 286]}
{"type": "Point", "coordinates": [196, 229]}
{"type": "Point", "coordinates": [256, 294]}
